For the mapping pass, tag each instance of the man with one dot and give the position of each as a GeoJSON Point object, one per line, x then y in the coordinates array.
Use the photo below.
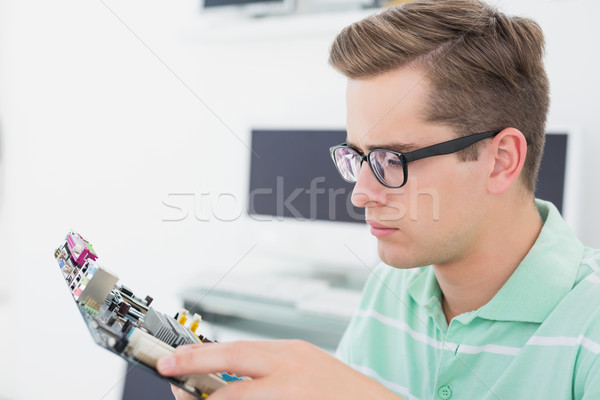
{"type": "Point", "coordinates": [486, 293]}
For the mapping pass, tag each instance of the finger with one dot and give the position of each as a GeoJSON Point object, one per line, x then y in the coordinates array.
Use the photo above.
{"type": "Point", "coordinates": [272, 346]}
{"type": "Point", "coordinates": [254, 359]}
{"type": "Point", "coordinates": [248, 390]}
{"type": "Point", "coordinates": [181, 394]}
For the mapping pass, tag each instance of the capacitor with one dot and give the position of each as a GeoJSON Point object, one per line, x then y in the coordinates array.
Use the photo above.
{"type": "Point", "coordinates": [148, 300]}
{"type": "Point", "coordinates": [123, 309]}
{"type": "Point", "coordinates": [126, 326]}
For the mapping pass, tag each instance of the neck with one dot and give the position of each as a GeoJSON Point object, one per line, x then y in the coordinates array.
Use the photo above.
{"type": "Point", "coordinates": [471, 282]}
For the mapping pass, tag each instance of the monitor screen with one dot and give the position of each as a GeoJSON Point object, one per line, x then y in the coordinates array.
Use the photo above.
{"type": "Point", "coordinates": [220, 3]}
{"type": "Point", "coordinates": [292, 175]}
{"type": "Point", "coordinates": [552, 176]}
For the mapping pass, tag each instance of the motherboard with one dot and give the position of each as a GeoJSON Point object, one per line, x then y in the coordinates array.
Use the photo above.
{"type": "Point", "coordinates": [126, 324]}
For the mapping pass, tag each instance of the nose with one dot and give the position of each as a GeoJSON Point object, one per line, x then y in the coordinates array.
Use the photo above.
{"type": "Point", "coordinates": [367, 188]}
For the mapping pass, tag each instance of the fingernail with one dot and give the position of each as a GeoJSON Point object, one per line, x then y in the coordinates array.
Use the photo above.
{"type": "Point", "coordinates": [166, 364]}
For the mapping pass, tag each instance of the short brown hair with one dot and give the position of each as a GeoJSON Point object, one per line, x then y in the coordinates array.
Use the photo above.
{"type": "Point", "coordinates": [485, 69]}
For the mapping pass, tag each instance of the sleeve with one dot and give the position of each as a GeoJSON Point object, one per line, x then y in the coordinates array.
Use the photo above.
{"type": "Point", "coordinates": [342, 352]}
{"type": "Point", "coordinates": [586, 385]}
{"type": "Point", "coordinates": [591, 389]}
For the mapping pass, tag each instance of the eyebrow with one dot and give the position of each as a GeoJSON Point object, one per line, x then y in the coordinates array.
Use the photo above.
{"type": "Point", "coordinates": [397, 147]}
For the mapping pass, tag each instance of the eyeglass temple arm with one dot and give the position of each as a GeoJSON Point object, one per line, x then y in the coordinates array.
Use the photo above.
{"type": "Point", "coordinates": [448, 147]}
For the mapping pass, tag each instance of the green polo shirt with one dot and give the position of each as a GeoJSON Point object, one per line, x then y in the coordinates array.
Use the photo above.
{"type": "Point", "coordinates": [538, 338]}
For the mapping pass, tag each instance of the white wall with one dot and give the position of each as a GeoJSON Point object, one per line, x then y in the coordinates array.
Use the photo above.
{"type": "Point", "coordinates": [98, 128]}
{"type": "Point", "coordinates": [572, 33]}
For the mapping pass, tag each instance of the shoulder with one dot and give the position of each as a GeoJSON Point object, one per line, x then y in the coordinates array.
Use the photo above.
{"type": "Point", "coordinates": [577, 322]}
{"type": "Point", "coordinates": [590, 265]}
{"type": "Point", "coordinates": [578, 313]}
{"type": "Point", "coordinates": [586, 289]}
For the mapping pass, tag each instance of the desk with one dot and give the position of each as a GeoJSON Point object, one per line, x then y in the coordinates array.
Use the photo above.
{"type": "Point", "coordinates": [236, 319]}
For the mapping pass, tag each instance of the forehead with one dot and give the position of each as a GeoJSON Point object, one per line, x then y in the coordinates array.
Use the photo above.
{"type": "Point", "coordinates": [389, 110]}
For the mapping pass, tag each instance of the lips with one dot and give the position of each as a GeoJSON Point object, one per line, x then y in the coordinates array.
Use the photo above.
{"type": "Point", "coordinates": [379, 230]}
{"type": "Point", "coordinates": [378, 225]}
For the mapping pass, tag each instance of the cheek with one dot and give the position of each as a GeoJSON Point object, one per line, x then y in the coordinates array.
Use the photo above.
{"type": "Point", "coordinates": [418, 203]}
{"type": "Point", "coordinates": [436, 194]}
{"type": "Point", "coordinates": [460, 211]}
{"type": "Point", "coordinates": [437, 210]}
{"type": "Point", "coordinates": [428, 192]}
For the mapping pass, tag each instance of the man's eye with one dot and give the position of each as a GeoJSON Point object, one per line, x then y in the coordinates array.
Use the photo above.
{"type": "Point", "coordinates": [394, 163]}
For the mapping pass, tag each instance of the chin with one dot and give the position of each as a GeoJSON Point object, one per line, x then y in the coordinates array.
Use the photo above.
{"type": "Point", "coordinates": [395, 256]}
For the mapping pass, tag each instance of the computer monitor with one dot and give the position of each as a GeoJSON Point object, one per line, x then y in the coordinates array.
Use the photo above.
{"type": "Point", "coordinates": [222, 3]}
{"type": "Point", "coordinates": [306, 177]}
{"type": "Point", "coordinates": [300, 182]}
{"type": "Point", "coordinates": [294, 186]}
{"type": "Point", "coordinates": [300, 209]}
{"type": "Point", "coordinates": [251, 7]}
{"type": "Point", "coordinates": [559, 178]}
{"type": "Point", "coordinates": [553, 170]}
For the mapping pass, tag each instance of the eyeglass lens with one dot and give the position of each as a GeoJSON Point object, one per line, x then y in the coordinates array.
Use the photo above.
{"type": "Point", "coordinates": [348, 163]}
{"type": "Point", "coordinates": [386, 165]}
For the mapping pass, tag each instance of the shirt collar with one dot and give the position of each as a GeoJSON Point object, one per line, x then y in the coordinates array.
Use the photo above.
{"type": "Point", "coordinates": [424, 287]}
{"type": "Point", "coordinates": [546, 274]}
{"type": "Point", "coordinates": [425, 290]}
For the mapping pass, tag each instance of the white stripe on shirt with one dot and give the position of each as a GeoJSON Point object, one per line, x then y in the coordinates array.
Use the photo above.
{"type": "Point", "coordinates": [489, 348]}
{"type": "Point", "coordinates": [401, 390]}
{"type": "Point", "coordinates": [421, 337]}
{"type": "Point", "coordinates": [570, 341]}
{"type": "Point", "coordinates": [403, 326]}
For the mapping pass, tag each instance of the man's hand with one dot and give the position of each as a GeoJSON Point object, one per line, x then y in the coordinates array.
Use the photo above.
{"type": "Point", "coordinates": [287, 369]}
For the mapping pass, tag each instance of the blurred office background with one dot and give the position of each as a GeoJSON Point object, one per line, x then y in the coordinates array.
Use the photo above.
{"type": "Point", "coordinates": [130, 122]}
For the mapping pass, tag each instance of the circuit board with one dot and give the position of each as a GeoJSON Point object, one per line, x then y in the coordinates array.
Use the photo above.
{"type": "Point", "coordinates": [126, 324]}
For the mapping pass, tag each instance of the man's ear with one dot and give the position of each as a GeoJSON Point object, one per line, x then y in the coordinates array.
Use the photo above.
{"type": "Point", "coordinates": [508, 150]}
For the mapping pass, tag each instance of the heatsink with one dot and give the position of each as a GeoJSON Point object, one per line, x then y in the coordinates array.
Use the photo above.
{"type": "Point", "coordinates": [168, 329]}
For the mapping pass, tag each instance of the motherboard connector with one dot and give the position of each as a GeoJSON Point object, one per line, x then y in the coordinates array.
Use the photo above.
{"type": "Point", "coordinates": [80, 249]}
{"type": "Point", "coordinates": [195, 322]}
{"type": "Point", "coordinates": [183, 317]}
{"type": "Point", "coordinates": [95, 285]}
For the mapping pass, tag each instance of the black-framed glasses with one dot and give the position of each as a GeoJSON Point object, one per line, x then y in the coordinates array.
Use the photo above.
{"type": "Point", "coordinates": [390, 167]}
